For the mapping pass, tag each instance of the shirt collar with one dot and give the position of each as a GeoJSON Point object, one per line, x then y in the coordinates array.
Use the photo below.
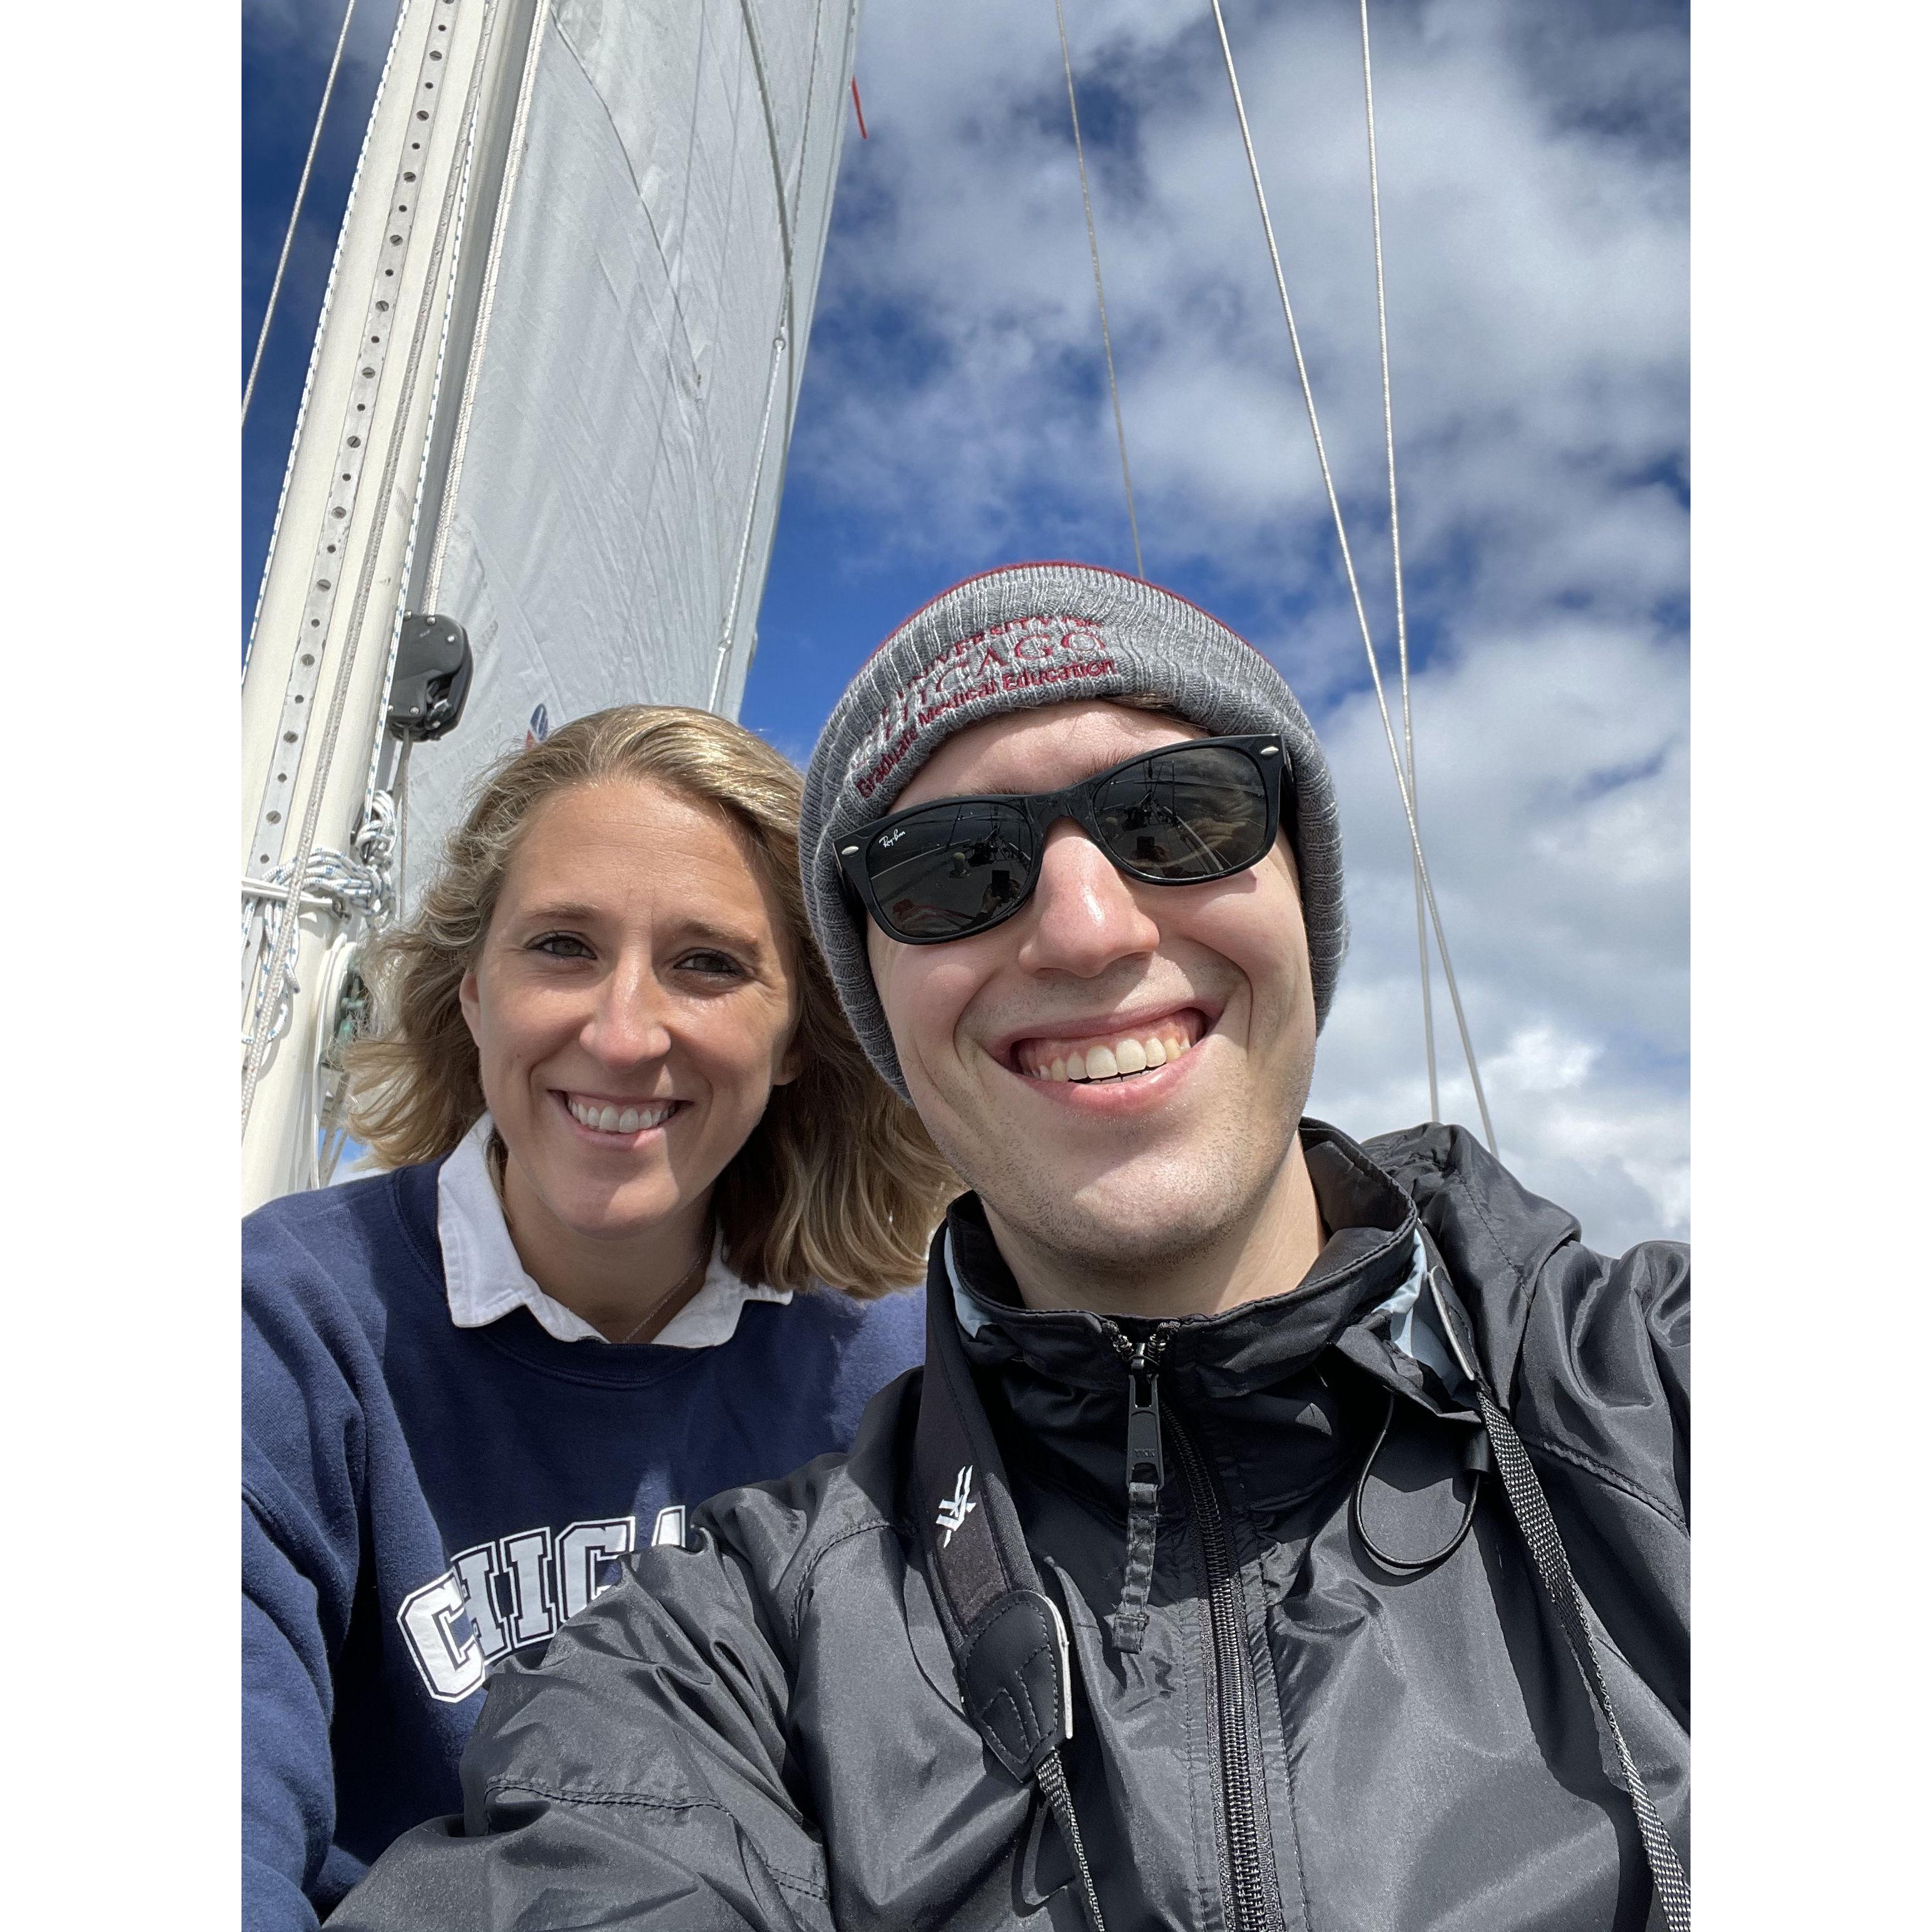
{"type": "Point", "coordinates": [485, 1280]}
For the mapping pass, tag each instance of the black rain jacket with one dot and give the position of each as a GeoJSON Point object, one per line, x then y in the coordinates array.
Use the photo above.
{"type": "Point", "coordinates": [806, 1717]}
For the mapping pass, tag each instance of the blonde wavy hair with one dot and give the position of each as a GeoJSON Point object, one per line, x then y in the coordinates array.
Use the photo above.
{"type": "Point", "coordinates": [838, 1182]}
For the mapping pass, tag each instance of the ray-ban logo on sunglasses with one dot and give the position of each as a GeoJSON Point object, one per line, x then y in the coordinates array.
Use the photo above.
{"type": "Point", "coordinates": [893, 838]}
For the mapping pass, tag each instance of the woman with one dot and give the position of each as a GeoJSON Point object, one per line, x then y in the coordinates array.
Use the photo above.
{"type": "Point", "coordinates": [633, 1145]}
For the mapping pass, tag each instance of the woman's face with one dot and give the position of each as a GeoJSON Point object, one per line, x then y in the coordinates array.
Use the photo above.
{"type": "Point", "coordinates": [633, 1005]}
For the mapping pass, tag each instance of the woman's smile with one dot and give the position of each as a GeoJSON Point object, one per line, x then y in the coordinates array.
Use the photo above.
{"type": "Point", "coordinates": [618, 1120]}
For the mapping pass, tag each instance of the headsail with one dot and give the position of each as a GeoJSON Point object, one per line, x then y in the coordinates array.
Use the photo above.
{"type": "Point", "coordinates": [550, 398]}
{"type": "Point", "coordinates": [619, 451]}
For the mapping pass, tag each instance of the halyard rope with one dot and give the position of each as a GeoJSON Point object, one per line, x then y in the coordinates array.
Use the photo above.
{"type": "Point", "coordinates": [1354, 586]}
{"type": "Point", "coordinates": [1395, 548]}
{"type": "Point", "coordinates": [1099, 293]}
{"type": "Point", "coordinates": [295, 213]}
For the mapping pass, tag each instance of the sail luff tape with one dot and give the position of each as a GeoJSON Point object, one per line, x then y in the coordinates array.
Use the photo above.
{"type": "Point", "coordinates": [486, 305]}
{"type": "Point", "coordinates": [778, 191]}
{"type": "Point", "coordinates": [728, 637]}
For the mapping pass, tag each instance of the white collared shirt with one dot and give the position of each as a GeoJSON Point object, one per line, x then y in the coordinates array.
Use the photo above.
{"type": "Point", "coordinates": [486, 1280]}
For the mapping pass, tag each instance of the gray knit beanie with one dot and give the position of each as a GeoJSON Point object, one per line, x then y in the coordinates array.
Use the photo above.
{"type": "Point", "coordinates": [1032, 635]}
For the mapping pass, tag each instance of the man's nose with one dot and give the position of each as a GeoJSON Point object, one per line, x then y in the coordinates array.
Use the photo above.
{"type": "Point", "coordinates": [1086, 914]}
{"type": "Point", "coordinates": [629, 1022]}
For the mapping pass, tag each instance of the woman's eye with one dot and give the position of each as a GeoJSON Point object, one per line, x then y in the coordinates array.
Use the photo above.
{"type": "Point", "coordinates": [712, 964]}
{"type": "Point", "coordinates": [561, 945]}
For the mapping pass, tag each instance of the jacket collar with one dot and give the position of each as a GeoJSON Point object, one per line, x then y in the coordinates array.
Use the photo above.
{"type": "Point", "coordinates": [1367, 1261]}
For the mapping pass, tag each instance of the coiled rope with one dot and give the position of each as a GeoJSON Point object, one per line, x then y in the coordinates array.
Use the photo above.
{"type": "Point", "coordinates": [349, 885]}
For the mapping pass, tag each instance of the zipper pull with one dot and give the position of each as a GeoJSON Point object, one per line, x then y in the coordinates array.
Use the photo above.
{"type": "Point", "coordinates": [1143, 1457]}
{"type": "Point", "coordinates": [1146, 1473]}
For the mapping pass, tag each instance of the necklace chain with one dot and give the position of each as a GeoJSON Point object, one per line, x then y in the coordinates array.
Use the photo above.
{"type": "Point", "coordinates": [690, 1281]}
{"type": "Point", "coordinates": [499, 1159]}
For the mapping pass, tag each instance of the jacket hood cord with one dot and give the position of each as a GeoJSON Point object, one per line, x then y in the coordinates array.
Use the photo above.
{"type": "Point", "coordinates": [1477, 1464]}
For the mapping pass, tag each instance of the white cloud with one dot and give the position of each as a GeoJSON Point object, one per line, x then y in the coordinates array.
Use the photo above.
{"type": "Point", "coordinates": [1534, 216]}
{"type": "Point", "coordinates": [1552, 785]}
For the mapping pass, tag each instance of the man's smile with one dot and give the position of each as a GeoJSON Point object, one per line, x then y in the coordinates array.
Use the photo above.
{"type": "Point", "coordinates": [1110, 1051]}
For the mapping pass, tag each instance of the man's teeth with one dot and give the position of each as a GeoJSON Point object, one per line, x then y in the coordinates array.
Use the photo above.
{"type": "Point", "coordinates": [621, 1120]}
{"type": "Point", "coordinates": [1130, 1054]}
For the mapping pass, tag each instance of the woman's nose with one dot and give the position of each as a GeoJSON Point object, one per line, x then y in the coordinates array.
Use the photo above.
{"type": "Point", "coordinates": [1086, 914]}
{"type": "Point", "coordinates": [629, 1022]}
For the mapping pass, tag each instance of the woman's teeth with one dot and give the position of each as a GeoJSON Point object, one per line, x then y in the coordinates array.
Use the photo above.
{"type": "Point", "coordinates": [621, 1119]}
{"type": "Point", "coordinates": [1132, 1053]}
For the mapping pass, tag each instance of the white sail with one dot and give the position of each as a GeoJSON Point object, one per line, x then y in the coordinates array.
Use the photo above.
{"type": "Point", "coordinates": [620, 450]}
{"type": "Point", "coordinates": [550, 397]}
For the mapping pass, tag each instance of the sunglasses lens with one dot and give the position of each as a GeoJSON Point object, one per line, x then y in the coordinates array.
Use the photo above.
{"type": "Point", "coordinates": [1186, 814]}
{"type": "Point", "coordinates": [944, 872]}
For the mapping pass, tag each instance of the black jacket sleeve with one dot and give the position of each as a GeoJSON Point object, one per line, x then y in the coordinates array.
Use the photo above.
{"type": "Point", "coordinates": [1603, 1403]}
{"type": "Point", "coordinates": [641, 1766]}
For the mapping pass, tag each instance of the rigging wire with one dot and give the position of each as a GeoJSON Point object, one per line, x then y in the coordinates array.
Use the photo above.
{"type": "Point", "coordinates": [328, 294]}
{"type": "Point", "coordinates": [1099, 293]}
{"type": "Point", "coordinates": [1354, 585]}
{"type": "Point", "coordinates": [295, 213]}
{"type": "Point", "coordinates": [1395, 548]}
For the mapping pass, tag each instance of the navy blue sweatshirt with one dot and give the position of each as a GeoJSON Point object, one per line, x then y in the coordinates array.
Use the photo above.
{"type": "Point", "coordinates": [418, 1500]}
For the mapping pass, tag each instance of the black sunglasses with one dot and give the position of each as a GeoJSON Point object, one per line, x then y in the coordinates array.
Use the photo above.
{"type": "Point", "coordinates": [1182, 815]}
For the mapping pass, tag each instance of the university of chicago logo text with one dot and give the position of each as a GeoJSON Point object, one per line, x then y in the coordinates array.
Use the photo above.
{"type": "Point", "coordinates": [498, 1596]}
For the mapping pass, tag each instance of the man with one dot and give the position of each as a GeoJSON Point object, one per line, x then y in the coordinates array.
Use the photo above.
{"type": "Point", "coordinates": [1282, 1533]}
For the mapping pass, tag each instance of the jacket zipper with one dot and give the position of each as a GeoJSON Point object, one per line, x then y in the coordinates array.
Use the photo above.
{"type": "Point", "coordinates": [1251, 1897]}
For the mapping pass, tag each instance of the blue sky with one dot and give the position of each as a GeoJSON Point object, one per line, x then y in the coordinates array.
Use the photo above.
{"type": "Point", "coordinates": [954, 416]}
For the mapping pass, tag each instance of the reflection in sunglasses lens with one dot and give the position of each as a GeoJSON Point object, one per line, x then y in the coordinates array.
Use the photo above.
{"type": "Point", "coordinates": [1185, 813]}
{"type": "Point", "coordinates": [946, 872]}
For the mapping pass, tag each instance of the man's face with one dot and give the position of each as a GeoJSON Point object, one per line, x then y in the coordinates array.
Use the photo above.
{"type": "Point", "coordinates": [1119, 1173]}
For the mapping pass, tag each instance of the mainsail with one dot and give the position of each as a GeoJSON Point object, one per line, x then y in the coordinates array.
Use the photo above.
{"type": "Point", "coordinates": [549, 405]}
